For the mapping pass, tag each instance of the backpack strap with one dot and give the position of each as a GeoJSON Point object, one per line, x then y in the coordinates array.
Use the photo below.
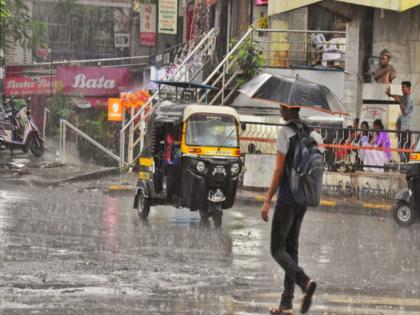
{"type": "Point", "coordinates": [299, 127]}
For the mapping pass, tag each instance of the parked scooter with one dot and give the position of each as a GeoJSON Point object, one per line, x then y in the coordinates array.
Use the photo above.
{"type": "Point", "coordinates": [407, 206]}
{"type": "Point", "coordinates": [18, 130]}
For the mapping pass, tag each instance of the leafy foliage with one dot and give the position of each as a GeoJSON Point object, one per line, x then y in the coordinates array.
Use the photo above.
{"type": "Point", "coordinates": [249, 59]}
{"type": "Point", "coordinates": [16, 25]}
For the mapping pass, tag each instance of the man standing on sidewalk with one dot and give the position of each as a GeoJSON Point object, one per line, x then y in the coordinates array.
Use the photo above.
{"type": "Point", "coordinates": [407, 104]}
{"type": "Point", "coordinates": [287, 220]}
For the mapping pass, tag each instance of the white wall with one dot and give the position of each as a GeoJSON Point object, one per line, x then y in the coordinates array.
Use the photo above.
{"type": "Point", "coordinates": [399, 33]}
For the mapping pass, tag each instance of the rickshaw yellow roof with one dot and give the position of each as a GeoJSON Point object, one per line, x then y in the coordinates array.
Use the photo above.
{"type": "Point", "coordinates": [210, 109]}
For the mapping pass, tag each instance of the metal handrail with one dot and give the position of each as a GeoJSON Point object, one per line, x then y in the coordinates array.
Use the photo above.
{"type": "Point", "coordinates": [273, 30]}
{"type": "Point", "coordinates": [63, 124]}
{"type": "Point", "coordinates": [176, 72]}
{"type": "Point", "coordinates": [155, 95]}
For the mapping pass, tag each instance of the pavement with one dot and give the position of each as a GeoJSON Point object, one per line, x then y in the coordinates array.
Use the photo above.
{"type": "Point", "coordinates": [70, 251]}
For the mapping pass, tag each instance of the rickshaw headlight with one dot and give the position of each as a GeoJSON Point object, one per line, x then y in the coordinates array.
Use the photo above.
{"type": "Point", "coordinates": [201, 166]}
{"type": "Point", "coordinates": [234, 168]}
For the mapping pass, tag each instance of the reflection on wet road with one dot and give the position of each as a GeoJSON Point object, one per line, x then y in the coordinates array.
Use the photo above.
{"type": "Point", "coordinates": [69, 252]}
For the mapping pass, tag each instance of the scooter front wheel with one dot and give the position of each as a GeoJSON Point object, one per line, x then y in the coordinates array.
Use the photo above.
{"type": "Point", "coordinates": [403, 214]}
{"type": "Point", "coordinates": [36, 146]}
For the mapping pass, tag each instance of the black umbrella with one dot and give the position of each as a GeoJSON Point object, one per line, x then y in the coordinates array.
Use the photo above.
{"type": "Point", "coordinates": [258, 107]}
{"type": "Point", "coordinates": [293, 93]}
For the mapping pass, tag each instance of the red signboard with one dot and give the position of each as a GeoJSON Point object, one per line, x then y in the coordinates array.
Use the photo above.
{"type": "Point", "coordinates": [24, 86]}
{"type": "Point", "coordinates": [93, 81]}
{"type": "Point", "coordinates": [261, 2]}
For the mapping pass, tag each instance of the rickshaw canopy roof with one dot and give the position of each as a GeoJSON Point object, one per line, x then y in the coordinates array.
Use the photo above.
{"type": "Point", "coordinates": [186, 85]}
{"type": "Point", "coordinates": [210, 109]}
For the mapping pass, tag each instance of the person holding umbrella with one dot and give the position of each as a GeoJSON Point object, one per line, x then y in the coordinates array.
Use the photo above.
{"type": "Point", "coordinates": [292, 94]}
{"type": "Point", "coordinates": [287, 220]}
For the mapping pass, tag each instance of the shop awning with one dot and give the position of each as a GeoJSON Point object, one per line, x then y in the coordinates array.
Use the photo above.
{"type": "Point", "coordinates": [276, 7]}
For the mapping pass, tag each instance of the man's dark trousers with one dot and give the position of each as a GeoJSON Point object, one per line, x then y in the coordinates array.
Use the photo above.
{"type": "Point", "coordinates": [287, 221]}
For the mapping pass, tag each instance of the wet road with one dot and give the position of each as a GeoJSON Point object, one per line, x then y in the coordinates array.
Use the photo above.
{"type": "Point", "coordinates": [66, 251]}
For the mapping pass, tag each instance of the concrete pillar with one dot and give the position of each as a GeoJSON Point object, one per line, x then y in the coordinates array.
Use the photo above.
{"type": "Point", "coordinates": [354, 62]}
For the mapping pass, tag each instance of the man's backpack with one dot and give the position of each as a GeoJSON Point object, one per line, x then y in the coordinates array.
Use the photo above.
{"type": "Point", "coordinates": [307, 168]}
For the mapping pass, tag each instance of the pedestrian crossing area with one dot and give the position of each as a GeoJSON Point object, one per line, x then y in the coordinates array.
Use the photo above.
{"type": "Point", "coordinates": [329, 304]}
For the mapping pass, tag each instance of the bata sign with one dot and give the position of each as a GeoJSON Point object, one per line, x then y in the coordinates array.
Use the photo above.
{"type": "Point", "coordinates": [23, 86]}
{"type": "Point", "coordinates": [93, 81]}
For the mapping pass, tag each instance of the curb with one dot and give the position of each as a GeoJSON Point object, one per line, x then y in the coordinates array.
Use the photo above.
{"type": "Point", "coordinates": [81, 177]}
{"type": "Point", "coordinates": [380, 209]}
{"type": "Point", "coordinates": [36, 180]}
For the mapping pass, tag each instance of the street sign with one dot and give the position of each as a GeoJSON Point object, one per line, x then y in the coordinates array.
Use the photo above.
{"type": "Point", "coordinates": [115, 110]}
{"type": "Point", "coordinates": [122, 40]}
{"type": "Point", "coordinates": [168, 16]}
{"type": "Point", "coordinates": [148, 25]}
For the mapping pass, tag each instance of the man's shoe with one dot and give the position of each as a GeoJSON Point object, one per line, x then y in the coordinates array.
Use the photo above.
{"type": "Point", "coordinates": [307, 296]}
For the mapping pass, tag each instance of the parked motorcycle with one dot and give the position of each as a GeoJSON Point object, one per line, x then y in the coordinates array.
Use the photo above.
{"type": "Point", "coordinates": [407, 202]}
{"type": "Point", "coordinates": [18, 129]}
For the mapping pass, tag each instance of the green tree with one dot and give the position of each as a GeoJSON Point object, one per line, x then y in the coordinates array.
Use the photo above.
{"type": "Point", "coordinates": [18, 25]}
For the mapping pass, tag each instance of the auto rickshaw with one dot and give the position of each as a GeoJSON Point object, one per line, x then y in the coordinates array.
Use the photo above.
{"type": "Point", "coordinates": [407, 206]}
{"type": "Point", "coordinates": [190, 158]}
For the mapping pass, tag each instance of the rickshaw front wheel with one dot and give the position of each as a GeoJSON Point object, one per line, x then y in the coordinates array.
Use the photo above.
{"type": "Point", "coordinates": [143, 205]}
{"type": "Point", "coordinates": [403, 214]}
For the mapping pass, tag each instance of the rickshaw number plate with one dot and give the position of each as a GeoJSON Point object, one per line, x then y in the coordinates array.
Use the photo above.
{"type": "Point", "coordinates": [219, 152]}
{"type": "Point", "coordinates": [144, 175]}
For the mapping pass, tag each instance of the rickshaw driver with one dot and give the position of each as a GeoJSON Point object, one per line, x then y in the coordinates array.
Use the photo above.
{"type": "Point", "coordinates": [172, 160]}
{"type": "Point", "coordinates": [172, 146]}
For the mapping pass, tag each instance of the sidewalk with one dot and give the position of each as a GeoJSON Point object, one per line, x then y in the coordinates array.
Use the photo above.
{"type": "Point", "coordinates": [345, 205]}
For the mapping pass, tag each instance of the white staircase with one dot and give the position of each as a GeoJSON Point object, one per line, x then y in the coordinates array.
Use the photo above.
{"type": "Point", "coordinates": [224, 77]}
{"type": "Point", "coordinates": [186, 69]}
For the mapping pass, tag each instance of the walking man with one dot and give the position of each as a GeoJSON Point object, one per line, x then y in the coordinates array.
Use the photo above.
{"type": "Point", "coordinates": [287, 220]}
{"type": "Point", "coordinates": [407, 104]}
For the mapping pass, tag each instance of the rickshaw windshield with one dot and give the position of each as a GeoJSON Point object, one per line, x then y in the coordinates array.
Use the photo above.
{"type": "Point", "coordinates": [212, 130]}
{"type": "Point", "coordinates": [417, 147]}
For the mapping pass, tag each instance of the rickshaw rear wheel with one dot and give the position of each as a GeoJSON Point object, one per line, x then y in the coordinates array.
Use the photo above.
{"type": "Point", "coordinates": [143, 205]}
{"type": "Point", "coordinates": [403, 214]}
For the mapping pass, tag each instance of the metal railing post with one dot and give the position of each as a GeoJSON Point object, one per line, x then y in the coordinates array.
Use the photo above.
{"type": "Point", "coordinates": [60, 145]}
{"type": "Point", "coordinates": [130, 140]}
{"type": "Point", "coordinates": [223, 83]}
{"type": "Point", "coordinates": [44, 125]}
{"type": "Point", "coordinates": [64, 143]}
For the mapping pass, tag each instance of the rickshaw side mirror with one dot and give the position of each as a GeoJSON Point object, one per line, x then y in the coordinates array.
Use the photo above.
{"type": "Point", "coordinates": [243, 126]}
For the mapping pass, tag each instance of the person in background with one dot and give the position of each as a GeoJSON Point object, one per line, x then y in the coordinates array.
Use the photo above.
{"type": "Point", "coordinates": [382, 139]}
{"type": "Point", "coordinates": [345, 140]}
{"type": "Point", "coordinates": [355, 127]}
{"type": "Point", "coordinates": [375, 159]}
{"type": "Point", "coordinates": [407, 104]}
{"type": "Point", "coordinates": [385, 72]}
{"type": "Point", "coordinates": [364, 142]}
